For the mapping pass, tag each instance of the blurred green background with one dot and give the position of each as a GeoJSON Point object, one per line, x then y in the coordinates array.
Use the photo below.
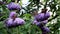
{"type": "Point", "coordinates": [54, 20]}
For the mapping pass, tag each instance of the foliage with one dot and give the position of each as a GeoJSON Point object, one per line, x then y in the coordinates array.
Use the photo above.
{"type": "Point", "coordinates": [28, 28]}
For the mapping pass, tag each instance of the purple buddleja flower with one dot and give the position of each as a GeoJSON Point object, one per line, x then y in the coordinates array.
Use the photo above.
{"type": "Point", "coordinates": [16, 21]}
{"type": "Point", "coordinates": [45, 21]}
{"type": "Point", "coordinates": [42, 17]}
{"type": "Point", "coordinates": [19, 21]}
{"type": "Point", "coordinates": [36, 22]}
{"type": "Point", "coordinates": [40, 23]}
{"type": "Point", "coordinates": [10, 22]}
{"type": "Point", "coordinates": [47, 15]}
{"type": "Point", "coordinates": [40, 20]}
{"type": "Point", "coordinates": [12, 14]}
{"type": "Point", "coordinates": [45, 30]}
{"type": "Point", "coordinates": [39, 17]}
{"type": "Point", "coordinates": [13, 6]}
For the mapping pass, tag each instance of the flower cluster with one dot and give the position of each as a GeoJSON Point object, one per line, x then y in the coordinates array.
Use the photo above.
{"type": "Point", "coordinates": [17, 21]}
{"type": "Point", "coordinates": [14, 22]}
{"type": "Point", "coordinates": [13, 6]}
{"type": "Point", "coordinates": [42, 17]}
{"type": "Point", "coordinates": [40, 20]}
{"type": "Point", "coordinates": [45, 30]}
